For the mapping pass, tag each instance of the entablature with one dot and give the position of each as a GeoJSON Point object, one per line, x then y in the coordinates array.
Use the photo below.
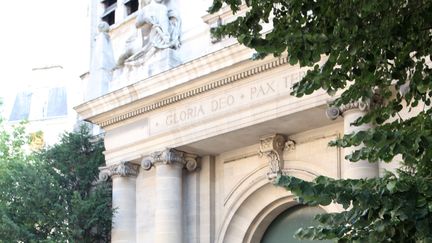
{"type": "Point", "coordinates": [207, 73]}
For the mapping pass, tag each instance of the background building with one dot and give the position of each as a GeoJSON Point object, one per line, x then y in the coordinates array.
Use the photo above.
{"type": "Point", "coordinates": [195, 133]}
{"type": "Point", "coordinates": [41, 65]}
{"type": "Point", "coordinates": [46, 101]}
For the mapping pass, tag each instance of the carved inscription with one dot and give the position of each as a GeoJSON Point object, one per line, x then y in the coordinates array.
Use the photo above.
{"type": "Point", "coordinates": [261, 90]}
{"type": "Point", "coordinates": [184, 115]}
{"type": "Point", "coordinates": [242, 96]}
{"type": "Point", "coordinates": [222, 103]}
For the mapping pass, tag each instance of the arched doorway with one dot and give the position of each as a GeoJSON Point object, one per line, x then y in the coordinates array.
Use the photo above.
{"type": "Point", "coordinates": [256, 205]}
{"type": "Point", "coordinates": [284, 226]}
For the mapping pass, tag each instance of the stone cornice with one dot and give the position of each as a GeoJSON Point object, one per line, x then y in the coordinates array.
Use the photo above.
{"type": "Point", "coordinates": [224, 13]}
{"type": "Point", "coordinates": [94, 110]}
{"type": "Point", "coordinates": [120, 169]}
{"type": "Point", "coordinates": [193, 92]}
{"type": "Point", "coordinates": [104, 112]}
{"type": "Point", "coordinates": [170, 156]}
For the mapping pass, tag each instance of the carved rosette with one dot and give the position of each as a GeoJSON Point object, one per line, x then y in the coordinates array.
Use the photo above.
{"type": "Point", "coordinates": [272, 147]}
{"type": "Point", "coordinates": [290, 145]}
{"type": "Point", "coordinates": [170, 156]}
{"type": "Point", "coordinates": [333, 112]}
{"type": "Point", "coordinates": [123, 168]}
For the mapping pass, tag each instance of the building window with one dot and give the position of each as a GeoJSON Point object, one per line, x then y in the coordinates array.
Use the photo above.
{"type": "Point", "coordinates": [21, 107]}
{"type": "Point", "coordinates": [131, 6]}
{"type": "Point", "coordinates": [57, 102]}
{"type": "Point", "coordinates": [109, 13]}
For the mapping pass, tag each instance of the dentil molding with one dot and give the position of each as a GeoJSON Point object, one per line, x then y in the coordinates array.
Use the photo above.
{"type": "Point", "coordinates": [195, 91]}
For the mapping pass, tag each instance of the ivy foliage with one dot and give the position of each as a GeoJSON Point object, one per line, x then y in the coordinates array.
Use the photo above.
{"type": "Point", "coordinates": [378, 52]}
{"type": "Point", "coordinates": [49, 196]}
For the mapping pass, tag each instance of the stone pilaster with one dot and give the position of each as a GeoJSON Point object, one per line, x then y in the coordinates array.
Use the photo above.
{"type": "Point", "coordinates": [169, 165]}
{"type": "Point", "coordinates": [351, 112]}
{"type": "Point", "coordinates": [123, 177]}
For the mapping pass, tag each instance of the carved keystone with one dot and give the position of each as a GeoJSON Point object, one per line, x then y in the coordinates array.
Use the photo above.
{"type": "Point", "coordinates": [272, 146]}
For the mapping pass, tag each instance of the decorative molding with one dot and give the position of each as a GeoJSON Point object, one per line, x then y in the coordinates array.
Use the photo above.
{"type": "Point", "coordinates": [123, 169]}
{"type": "Point", "coordinates": [290, 145]}
{"type": "Point", "coordinates": [272, 147]}
{"type": "Point", "coordinates": [239, 157]}
{"type": "Point", "coordinates": [307, 139]}
{"type": "Point", "coordinates": [376, 100]}
{"type": "Point", "coordinates": [170, 156]}
{"type": "Point", "coordinates": [223, 14]}
{"type": "Point", "coordinates": [252, 185]}
{"type": "Point", "coordinates": [333, 112]}
{"type": "Point", "coordinates": [361, 105]}
{"type": "Point", "coordinates": [194, 92]}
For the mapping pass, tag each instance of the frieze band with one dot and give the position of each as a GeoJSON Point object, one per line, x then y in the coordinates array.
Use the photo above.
{"type": "Point", "coordinates": [196, 91]}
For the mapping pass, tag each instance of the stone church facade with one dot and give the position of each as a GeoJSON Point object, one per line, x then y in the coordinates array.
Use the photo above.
{"type": "Point", "coordinates": [195, 131]}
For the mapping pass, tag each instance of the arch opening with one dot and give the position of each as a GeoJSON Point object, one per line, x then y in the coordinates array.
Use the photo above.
{"type": "Point", "coordinates": [284, 226]}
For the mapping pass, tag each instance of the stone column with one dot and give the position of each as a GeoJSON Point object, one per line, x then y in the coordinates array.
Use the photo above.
{"type": "Point", "coordinates": [123, 200]}
{"type": "Point", "coordinates": [169, 166]}
{"type": "Point", "coordinates": [350, 113]}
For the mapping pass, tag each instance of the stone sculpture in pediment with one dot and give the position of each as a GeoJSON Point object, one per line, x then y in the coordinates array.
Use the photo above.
{"type": "Point", "coordinates": [160, 30]}
{"type": "Point", "coordinates": [102, 63]}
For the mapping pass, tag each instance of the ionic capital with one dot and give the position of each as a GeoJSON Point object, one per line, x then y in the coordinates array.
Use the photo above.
{"type": "Point", "coordinates": [333, 112]}
{"type": "Point", "coordinates": [272, 147]}
{"type": "Point", "coordinates": [123, 169]}
{"type": "Point", "coordinates": [170, 156]}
